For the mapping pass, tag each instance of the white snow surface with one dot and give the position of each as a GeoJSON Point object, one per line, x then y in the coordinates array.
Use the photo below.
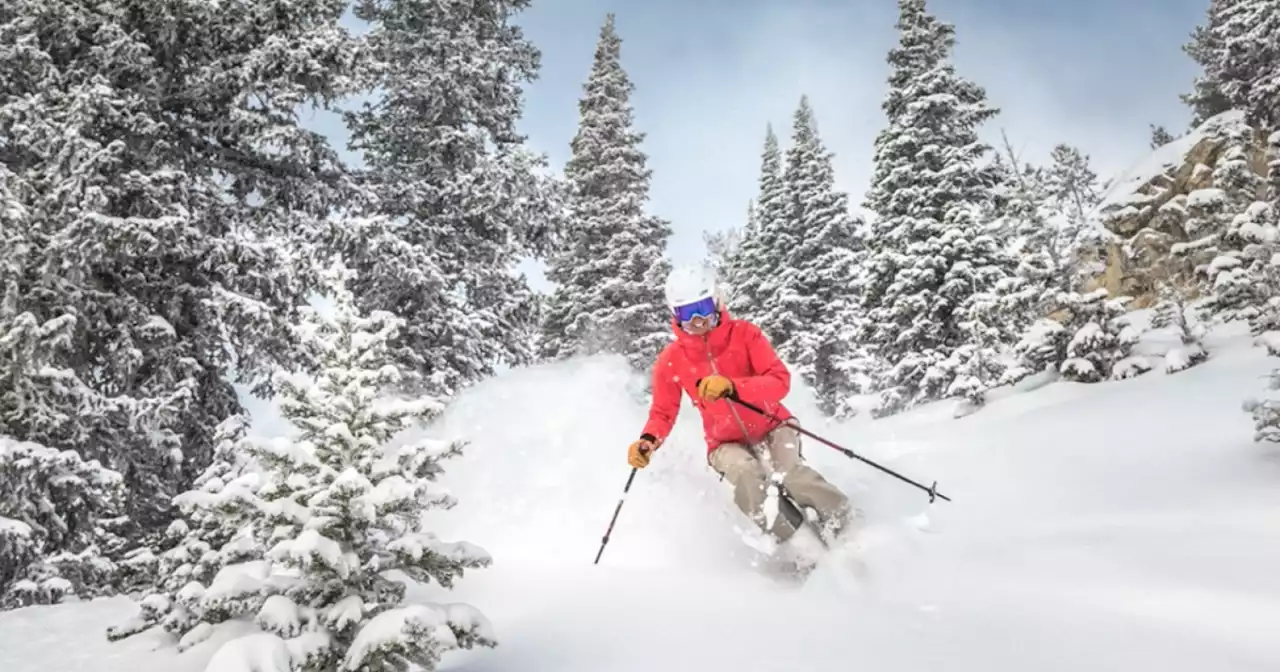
{"type": "Point", "coordinates": [1126, 525]}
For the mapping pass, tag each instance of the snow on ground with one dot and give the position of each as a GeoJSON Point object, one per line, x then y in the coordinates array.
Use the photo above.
{"type": "Point", "coordinates": [1128, 525]}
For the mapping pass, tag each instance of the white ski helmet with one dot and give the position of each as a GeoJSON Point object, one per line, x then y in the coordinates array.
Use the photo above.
{"type": "Point", "coordinates": [691, 283]}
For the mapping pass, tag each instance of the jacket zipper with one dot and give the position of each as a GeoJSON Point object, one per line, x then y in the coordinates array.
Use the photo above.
{"type": "Point", "coordinates": [733, 409]}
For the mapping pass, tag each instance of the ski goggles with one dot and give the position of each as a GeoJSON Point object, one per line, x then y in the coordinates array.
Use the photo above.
{"type": "Point", "coordinates": [704, 308]}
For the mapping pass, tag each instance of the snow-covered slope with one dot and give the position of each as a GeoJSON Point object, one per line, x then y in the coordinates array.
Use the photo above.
{"type": "Point", "coordinates": [1130, 525]}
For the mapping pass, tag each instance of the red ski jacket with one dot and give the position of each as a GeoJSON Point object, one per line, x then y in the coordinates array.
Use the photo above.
{"type": "Point", "coordinates": [735, 349]}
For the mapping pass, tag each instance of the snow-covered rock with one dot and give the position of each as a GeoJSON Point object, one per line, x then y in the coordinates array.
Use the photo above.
{"type": "Point", "coordinates": [1151, 209]}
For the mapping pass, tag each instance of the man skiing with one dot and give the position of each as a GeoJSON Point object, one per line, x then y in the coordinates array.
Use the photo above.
{"type": "Point", "coordinates": [715, 359]}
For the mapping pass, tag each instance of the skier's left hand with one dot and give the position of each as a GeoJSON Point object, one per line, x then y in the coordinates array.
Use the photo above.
{"type": "Point", "coordinates": [713, 387]}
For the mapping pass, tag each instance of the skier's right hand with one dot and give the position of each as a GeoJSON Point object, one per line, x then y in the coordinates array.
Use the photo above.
{"type": "Point", "coordinates": [639, 452]}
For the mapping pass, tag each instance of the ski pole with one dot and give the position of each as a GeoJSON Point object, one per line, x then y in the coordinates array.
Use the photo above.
{"type": "Point", "coordinates": [932, 490]}
{"type": "Point", "coordinates": [616, 511]}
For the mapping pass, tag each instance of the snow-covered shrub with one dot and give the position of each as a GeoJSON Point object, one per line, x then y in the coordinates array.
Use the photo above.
{"type": "Point", "coordinates": [977, 365]}
{"type": "Point", "coordinates": [302, 541]}
{"type": "Point", "coordinates": [55, 506]}
{"type": "Point", "coordinates": [50, 501]}
{"type": "Point", "coordinates": [198, 544]}
{"type": "Point", "coordinates": [1090, 340]}
{"type": "Point", "coordinates": [1043, 346]}
{"type": "Point", "coordinates": [1266, 412]}
{"type": "Point", "coordinates": [1173, 312]}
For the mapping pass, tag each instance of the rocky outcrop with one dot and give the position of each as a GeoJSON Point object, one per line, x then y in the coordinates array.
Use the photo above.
{"type": "Point", "coordinates": [1147, 210]}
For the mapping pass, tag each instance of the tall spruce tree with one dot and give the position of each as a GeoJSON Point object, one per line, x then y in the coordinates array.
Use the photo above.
{"type": "Point", "coordinates": [155, 170]}
{"type": "Point", "coordinates": [814, 287]}
{"type": "Point", "coordinates": [929, 253]}
{"type": "Point", "coordinates": [465, 198]}
{"type": "Point", "coordinates": [609, 265]}
{"type": "Point", "coordinates": [754, 266]}
{"type": "Point", "coordinates": [1238, 50]}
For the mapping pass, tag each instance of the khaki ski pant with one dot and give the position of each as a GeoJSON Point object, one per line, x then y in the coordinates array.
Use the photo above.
{"type": "Point", "coordinates": [748, 475]}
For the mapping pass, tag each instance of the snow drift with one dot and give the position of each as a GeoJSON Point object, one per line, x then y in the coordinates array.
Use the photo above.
{"type": "Point", "coordinates": [1124, 525]}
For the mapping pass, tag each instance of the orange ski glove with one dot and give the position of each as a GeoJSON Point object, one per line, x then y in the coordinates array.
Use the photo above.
{"type": "Point", "coordinates": [639, 453]}
{"type": "Point", "coordinates": [712, 388]}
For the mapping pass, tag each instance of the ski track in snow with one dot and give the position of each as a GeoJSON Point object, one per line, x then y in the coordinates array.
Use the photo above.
{"type": "Point", "coordinates": [1122, 526]}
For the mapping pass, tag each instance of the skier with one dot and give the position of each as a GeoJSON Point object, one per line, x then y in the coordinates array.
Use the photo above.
{"type": "Point", "coordinates": [714, 359]}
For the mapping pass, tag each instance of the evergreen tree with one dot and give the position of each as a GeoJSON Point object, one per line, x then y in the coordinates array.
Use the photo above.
{"type": "Point", "coordinates": [1160, 136]}
{"type": "Point", "coordinates": [1072, 184]}
{"type": "Point", "coordinates": [463, 197]}
{"type": "Point", "coordinates": [1238, 50]}
{"type": "Point", "coordinates": [1257, 275]}
{"type": "Point", "coordinates": [1065, 238]}
{"type": "Point", "coordinates": [1206, 99]}
{"type": "Point", "coordinates": [609, 267]}
{"type": "Point", "coordinates": [1222, 223]}
{"type": "Point", "coordinates": [154, 168]}
{"type": "Point", "coordinates": [311, 538]}
{"type": "Point", "coordinates": [930, 254]}
{"type": "Point", "coordinates": [1174, 312]}
{"type": "Point", "coordinates": [58, 511]}
{"type": "Point", "coordinates": [198, 544]}
{"type": "Point", "coordinates": [53, 507]}
{"type": "Point", "coordinates": [723, 245]}
{"type": "Point", "coordinates": [754, 267]}
{"type": "Point", "coordinates": [809, 312]}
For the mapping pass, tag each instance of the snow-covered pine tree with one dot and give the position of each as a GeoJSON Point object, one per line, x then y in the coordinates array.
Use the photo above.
{"type": "Point", "coordinates": [1206, 98]}
{"type": "Point", "coordinates": [810, 312]}
{"type": "Point", "coordinates": [610, 266]}
{"type": "Point", "coordinates": [1100, 346]}
{"type": "Point", "coordinates": [464, 197]}
{"type": "Point", "coordinates": [157, 162]}
{"type": "Point", "coordinates": [1072, 184]}
{"type": "Point", "coordinates": [977, 365]}
{"type": "Point", "coordinates": [315, 531]}
{"type": "Point", "coordinates": [1174, 312]}
{"type": "Point", "coordinates": [723, 245]}
{"type": "Point", "coordinates": [1265, 325]}
{"type": "Point", "coordinates": [1238, 51]}
{"type": "Point", "coordinates": [1072, 242]}
{"type": "Point", "coordinates": [755, 265]}
{"type": "Point", "coordinates": [197, 545]}
{"type": "Point", "coordinates": [51, 524]}
{"type": "Point", "coordinates": [1258, 276]}
{"type": "Point", "coordinates": [930, 253]}
{"type": "Point", "coordinates": [1046, 268]}
{"type": "Point", "coordinates": [58, 511]}
{"type": "Point", "coordinates": [1222, 223]}
{"type": "Point", "coordinates": [1160, 136]}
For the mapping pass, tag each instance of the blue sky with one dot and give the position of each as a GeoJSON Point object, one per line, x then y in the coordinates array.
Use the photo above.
{"type": "Point", "coordinates": [710, 74]}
